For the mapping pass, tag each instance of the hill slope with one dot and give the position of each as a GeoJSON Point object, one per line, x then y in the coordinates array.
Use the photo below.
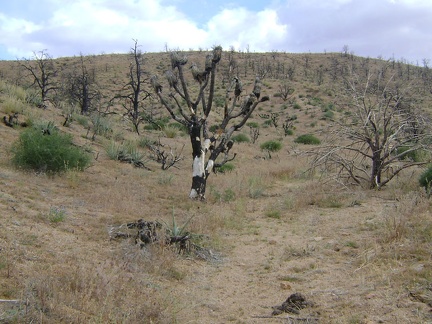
{"type": "Point", "coordinates": [267, 230]}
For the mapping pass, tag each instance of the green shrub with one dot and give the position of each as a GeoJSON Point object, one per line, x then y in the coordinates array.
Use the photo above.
{"type": "Point", "coordinates": [12, 105]}
{"type": "Point", "coordinates": [328, 115]}
{"type": "Point", "coordinates": [157, 124]}
{"type": "Point", "coordinates": [271, 146]}
{"type": "Point", "coordinates": [273, 214]}
{"type": "Point", "coordinates": [240, 138]}
{"type": "Point", "coordinates": [314, 101]}
{"type": "Point", "coordinates": [113, 150]}
{"type": "Point", "coordinates": [13, 91]}
{"type": "Point", "coordinates": [145, 142]}
{"type": "Point", "coordinates": [82, 120]}
{"type": "Point", "coordinates": [252, 125]}
{"type": "Point", "coordinates": [328, 107]}
{"type": "Point", "coordinates": [48, 152]}
{"type": "Point", "coordinates": [33, 97]}
{"type": "Point", "coordinates": [56, 214]}
{"type": "Point", "coordinates": [180, 127]}
{"type": "Point", "coordinates": [425, 179]}
{"type": "Point", "coordinates": [226, 196]}
{"type": "Point", "coordinates": [289, 132]}
{"type": "Point", "coordinates": [227, 167]}
{"type": "Point", "coordinates": [213, 128]}
{"type": "Point", "coordinates": [415, 156]}
{"type": "Point", "coordinates": [102, 125]}
{"type": "Point", "coordinates": [219, 101]}
{"type": "Point", "coordinates": [307, 139]}
{"type": "Point", "coordinates": [268, 122]}
{"type": "Point", "coordinates": [297, 106]}
{"type": "Point", "coordinates": [256, 187]}
{"type": "Point", "coordinates": [170, 132]}
{"type": "Point", "coordinates": [126, 152]}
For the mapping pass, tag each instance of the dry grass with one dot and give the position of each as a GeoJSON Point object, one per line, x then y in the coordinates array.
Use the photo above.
{"type": "Point", "coordinates": [361, 256]}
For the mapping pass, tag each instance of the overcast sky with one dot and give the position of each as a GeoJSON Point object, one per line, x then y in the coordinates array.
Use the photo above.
{"type": "Point", "coordinates": [400, 29]}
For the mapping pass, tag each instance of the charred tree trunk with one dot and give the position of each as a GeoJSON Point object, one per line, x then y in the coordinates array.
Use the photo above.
{"type": "Point", "coordinates": [198, 167]}
{"type": "Point", "coordinates": [375, 181]}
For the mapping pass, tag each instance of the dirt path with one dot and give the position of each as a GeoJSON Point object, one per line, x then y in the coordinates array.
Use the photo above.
{"type": "Point", "coordinates": [326, 254]}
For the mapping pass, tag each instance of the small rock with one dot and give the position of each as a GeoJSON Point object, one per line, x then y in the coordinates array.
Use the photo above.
{"type": "Point", "coordinates": [285, 286]}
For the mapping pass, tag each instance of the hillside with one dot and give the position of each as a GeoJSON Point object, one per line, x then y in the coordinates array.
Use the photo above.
{"type": "Point", "coordinates": [267, 230]}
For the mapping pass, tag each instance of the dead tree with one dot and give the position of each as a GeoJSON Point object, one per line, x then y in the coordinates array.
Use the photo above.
{"type": "Point", "coordinates": [285, 91]}
{"type": "Point", "coordinates": [41, 68]}
{"type": "Point", "coordinates": [82, 88]}
{"type": "Point", "coordinates": [133, 95]}
{"type": "Point", "coordinates": [195, 113]}
{"type": "Point", "coordinates": [385, 134]}
{"type": "Point", "coordinates": [167, 158]}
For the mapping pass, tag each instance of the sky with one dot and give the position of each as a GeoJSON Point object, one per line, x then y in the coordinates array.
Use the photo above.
{"type": "Point", "coordinates": [389, 29]}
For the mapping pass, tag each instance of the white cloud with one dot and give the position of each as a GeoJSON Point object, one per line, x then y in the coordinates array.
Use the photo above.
{"type": "Point", "coordinates": [98, 26]}
{"type": "Point", "coordinates": [241, 28]}
{"type": "Point", "coordinates": [369, 27]}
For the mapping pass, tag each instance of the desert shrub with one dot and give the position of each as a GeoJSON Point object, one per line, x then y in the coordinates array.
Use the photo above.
{"type": "Point", "coordinates": [241, 138]}
{"type": "Point", "coordinates": [328, 115]}
{"type": "Point", "coordinates": [425, 179]}
{"type": "Point", "coordinates": [271, 146]}
{"type": "Point", "coordinates": [256, 187]}
{"type": "Point", "coordinates": [33, 97]}
{"type": "Point", "coordinates": [415, 156]}
{"type": "Point", "coordinates": [56, 214]}
{"type": "Point", "coordinates": [157, 124]}
{"type": "Point", "coordinates": [12, 105]}
{"type": "Point", "coordinates": [126, 152]}
{"type": "Point", "coordinates": [219, 101]}
{"type": "Point", "coordinates": [13, 91]}
{"type": "Point", "coordinates": [267, 122]}
{"type": "Point", "coordinates": [252, 124]}
{"type": "Point", "coordinates": [307, 139]}
{"type": "Point", "coordinates": [213, 128]}
{"type": "Point", "coordinates": [81, 119]}
{"type": "Point", "coordinates": [180, 127]}
{"type": "Point", "coordinates": [226, 196]}
{"type": "Point", "coordinates": [170, 132]}
{"type": "Point", "coordinates": [145, 142]}
{"type": "Point", "coordinates": [288, 132]}
{"type": "Point", "coordinates": [113, 150]}
{"type": "Point", "coordinates": [49, 152]}
{"type": "Point", "coordinates": [227, 167]}
{"type": "Point", "coordinates": [314, 101]}
{"type": "Point", "coordinates": [273, 214]}
{"type": "Point", "coordinates": [297, 106]}
{"type": "Point", "coordinates": [101, 125]}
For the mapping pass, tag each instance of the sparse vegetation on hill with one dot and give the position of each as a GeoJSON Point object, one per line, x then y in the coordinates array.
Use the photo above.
{"type": "Point", "coordinates": [270, 231]}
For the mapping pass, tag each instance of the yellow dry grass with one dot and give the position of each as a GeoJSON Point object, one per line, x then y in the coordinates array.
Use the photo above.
{"type": "Point", "coordinates": [360, 256]}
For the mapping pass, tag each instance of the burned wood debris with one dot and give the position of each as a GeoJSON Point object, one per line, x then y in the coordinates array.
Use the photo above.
{"type": "Point", "coordinates": [144, 233]}
{"type": "Point", "coordinates": [292, 305]}
{"type": "Point", "coordinates": [12, 120]}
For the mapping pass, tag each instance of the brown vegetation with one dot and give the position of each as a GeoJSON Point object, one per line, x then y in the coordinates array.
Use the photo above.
{"type": "Point", "coordinates": [270, 227]}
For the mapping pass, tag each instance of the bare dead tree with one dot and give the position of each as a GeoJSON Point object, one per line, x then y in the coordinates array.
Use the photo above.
{"type": "Point", "coordinates": [384, 135]}
{"type": "Point", "coordinates": [82, 88]}
{"type": "Point", "coordinates": [288, 125]}
{"type": "Point", "coordinates": [285, 91]}
{"type": "Point", "coordinates": [195, 113]}
{"type": "Point", "coordinates": [165, 155]}
{"type": "Point", "coordinates": [254, 133]}
{"type": "Point", "coordinates": [43, 72]}
{"type": "Point", "coordinates": [133, 95]}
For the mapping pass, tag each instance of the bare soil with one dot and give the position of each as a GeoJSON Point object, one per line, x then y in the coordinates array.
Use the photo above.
{"type": "Point", "coordinates": [269, 231]}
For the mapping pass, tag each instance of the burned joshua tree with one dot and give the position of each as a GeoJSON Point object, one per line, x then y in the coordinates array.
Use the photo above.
{"type": "Point", "coordinates": [194, 112]}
